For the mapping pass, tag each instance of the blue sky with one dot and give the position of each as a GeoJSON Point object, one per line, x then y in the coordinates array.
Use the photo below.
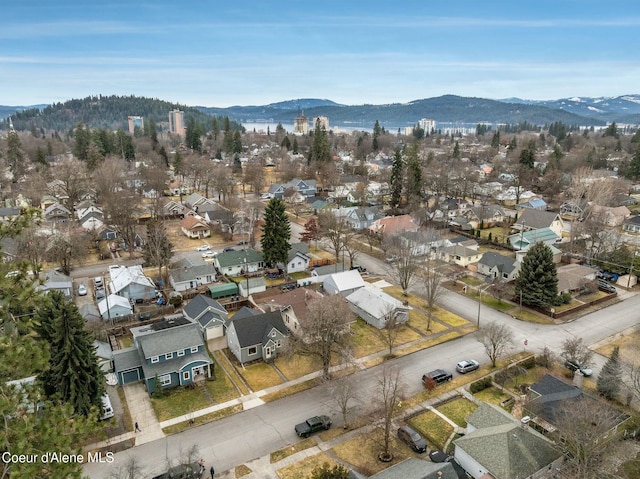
{"type": "Point", "coordinates": [223, 53]}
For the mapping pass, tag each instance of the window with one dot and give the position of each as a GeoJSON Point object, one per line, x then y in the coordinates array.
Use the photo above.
{"type": "Point", "coordinates": [180, 353]}
{"type": "Point", "coordinates": [168, 356]}
{"type": "Point", "coordinates": [279, 343]}
{"type": "Point", "coordinates": [253, 350]}
{"type": "Point", "coordinates": [155, 359]}
{"type": "Point", "coordinates": [185, 375]}
{"type": "Point", "coordinates": [165, 379]}
{"type": "Point", "coordinates": [194, 349]}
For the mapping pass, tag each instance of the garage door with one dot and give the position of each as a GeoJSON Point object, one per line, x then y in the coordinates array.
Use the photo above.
{"type": "Point", "coordinates": [130, 376]}
{"type": "Point", "coordinates": [215, 332]}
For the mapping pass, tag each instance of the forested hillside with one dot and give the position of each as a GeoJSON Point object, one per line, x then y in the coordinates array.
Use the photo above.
{"type": "Point", "coordinates": [109, 112]}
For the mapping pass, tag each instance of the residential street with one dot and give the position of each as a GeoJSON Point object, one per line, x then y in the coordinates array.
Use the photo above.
{"type": "Point", "coordinates": [257, 432]}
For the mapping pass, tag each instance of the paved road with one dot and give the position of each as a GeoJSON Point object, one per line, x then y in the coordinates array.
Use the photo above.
{"type": "Point", "coordinates": [254, 433]}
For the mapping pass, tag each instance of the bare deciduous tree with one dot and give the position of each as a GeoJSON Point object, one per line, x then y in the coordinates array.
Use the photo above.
{"type": "Point", "coordinates": [433, 288]}
{"type": "Point", "coordinates": [335, 230]}
{"type": "Point", "coordinates": [326, 335]}
{"type": "Point", "coordinates": [131, 469]}
{"type": "Point", "coordinates": [574, 349]}
{"type": "Point", "coordinates": [496, 339]}
{"type": "Point", "coordinates": [71, 181]}
{"type": "Point", "coordinates": [389, 333]}
{"type": "Point", "coordinates": [344, 393]}
{"type": "Point", "coordinates": [389, 394]}
{"type": "Point", "coordinates": [405, 265]}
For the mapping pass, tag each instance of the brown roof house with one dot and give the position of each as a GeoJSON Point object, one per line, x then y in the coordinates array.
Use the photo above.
{"type": "Point", "coordinates": [294, 306]}
{"type": "Point", "coordinates": [195, 227]}
{"type": "Point", "coordinates": [394, 225]}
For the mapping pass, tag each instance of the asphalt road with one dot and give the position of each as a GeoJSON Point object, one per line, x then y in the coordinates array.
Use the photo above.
{"type": "Point", "coordinates": [257, 432]}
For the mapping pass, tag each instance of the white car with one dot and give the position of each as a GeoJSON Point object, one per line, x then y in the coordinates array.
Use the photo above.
{"type": "Point", "coordinates": [204, 247]}
{"type": "Point", "coordinates": [82, 290]}
{"type": "Point", "coordinates": [209, 254]}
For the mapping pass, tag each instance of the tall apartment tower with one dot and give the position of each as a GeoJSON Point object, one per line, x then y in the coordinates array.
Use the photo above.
{"type": "Point", "coordinates": [322, 122]}
{"type": "Point", "coordinates": [135, 121]}
{"type": "Point", "coordinates": [176, 122]}
{"type": "Point", "coordinates": [427, 125]}
{"type": "Point", "coordinates": [301, 125]}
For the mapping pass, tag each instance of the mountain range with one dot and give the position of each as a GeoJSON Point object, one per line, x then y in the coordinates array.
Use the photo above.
{"type": "Point", "coordinates": [445, 109]}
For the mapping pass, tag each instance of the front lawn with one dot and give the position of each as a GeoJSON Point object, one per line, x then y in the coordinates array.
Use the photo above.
{"type": "Point", "coordinates": [304, 467]}
{"type": "Point", "coordinates": [435, 429]}
{"type": "Point", "coordinates": [297, 365]}
{"type": "Point", "coordinates": [492, 395]}
{"type": "Point", "coordinates": [260, 376]}
{"type": "Point", "coordinates": [418, 320]}
{"type": "Point", "coordinates": [178, 401]}
{"type": "Point", "coordinates": [458, 410]}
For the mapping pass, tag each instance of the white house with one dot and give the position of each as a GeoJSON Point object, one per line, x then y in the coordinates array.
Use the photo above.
{"type": "Point", "coordinates": [343, 283]}
{"type": "Point", "coordinates": [376, 307]}
{"type": "Point", "coordinates": [114, 306]}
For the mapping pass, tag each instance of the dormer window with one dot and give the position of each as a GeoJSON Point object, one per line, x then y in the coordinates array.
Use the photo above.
{"type": "Point", "coordinates": [155, 359]}
{"type": "Point", "coordinates": [168, 356]}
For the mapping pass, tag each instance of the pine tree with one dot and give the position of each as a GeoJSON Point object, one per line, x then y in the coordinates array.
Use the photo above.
{"type": "Point", "coordinates": [276, 233]}
{"type": "Point", "coordinates": [537, 281]}
{"type": "Point", "coordinates": [397, 179]}
{"type": "Point", "coordinates": [414, 174]}
{"type": "Point", "coordinates": [74, 376]}
{"type": "Point", "coordinates": [320, 149]}
{"type": "Point", "coordinates": [611, 375]}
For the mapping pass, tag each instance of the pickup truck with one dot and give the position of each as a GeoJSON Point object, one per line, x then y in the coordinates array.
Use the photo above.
{"type": "Point", "coordinates": [313, 424]}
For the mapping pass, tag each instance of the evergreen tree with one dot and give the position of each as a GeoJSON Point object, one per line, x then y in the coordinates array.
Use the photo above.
{"type": "Point", "coordinates": [610, 376]}
{"type": "Point", "coordinates": [82, 139]}
{"type": "Point", "coordinates": [495, 140]}
{"type": "Point", "coordinates": [16, 157]}
{"type": "Point", "coordinates": [414, 174]}
{"type": "Point", "coordinates": [294, 149]}
{"type": "Point", "coordinates": [215, 128]}
{"type": "Point", "coordinates": [456, 150]}
{"type": "Point", "coordinates": [276, 233]}
{"type": "Point", "coordinates": [286, 143]}
{"type": "Point", "coordinates": [193, 135]}
{"type": "Point", "coordinates": [124, 145]}
{"type": "Point", "coordinates": [537, 281]}
{"type": "Point", "coordinates": [513, 144]}
{"type": "Point", "coordinates": [178, 163]}
{"type": "Point", "coordinates": [237, 142]}
{"type": "Point", "coordinates": [633, 171]}
{"type": "Point", "coordinates": [74, 376]}
{"type": "Point", "coordinates": [320, 149]}
{"type": "Point", "coordinates": [527, 158]}
{"type": "Point", "coordinates": [397, 179]}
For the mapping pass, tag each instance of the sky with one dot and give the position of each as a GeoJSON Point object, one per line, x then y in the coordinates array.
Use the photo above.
{"type": "Point", "coordinates": [224, 53]}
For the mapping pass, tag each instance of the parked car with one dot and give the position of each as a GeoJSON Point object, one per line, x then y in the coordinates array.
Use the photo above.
{"type": "Point", "coordinates": [361, 269]}
{"type": "Point", "coordinates": [97, 282]}
{"type": "Point", "coordinates": [183, 471]}
{"type": "Point", "coordinates": [100, 293]}
{"type": "Point", "coordinates": [467, 366]}
{"type": "Point", "coordinates": [107, 409]}
{"type": "Point", "coordinates": [604, 286]}
{"type": "Point", "coordinates": [227, 249]}
{"type": "Point", "coordinates": [438, 375]}
{"type": "Point", "coordinates": [574, 366]}
{"type": "Point", "coordinates": [209, 254]}
{"type": "Point", "coordinates": [391, 259]}
{"type": "Point", "coordinates": [204, 247]}
{"type": "Point", "coordinates": [82, 290]}
{"type": "Point", "coordinates": [313, 424]}
{"type": "Point", "coordinates": [412, 438]}
{"type": "Point", "coordinates": [242, 242]}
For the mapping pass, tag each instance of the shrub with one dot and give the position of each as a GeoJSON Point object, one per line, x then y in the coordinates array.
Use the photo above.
{"type": "Point", "coordinates": [529, 363]}
{"type": "Point", "coordinates": [490, 238]}
{"type": "Point", "coordinates": [479, 385]}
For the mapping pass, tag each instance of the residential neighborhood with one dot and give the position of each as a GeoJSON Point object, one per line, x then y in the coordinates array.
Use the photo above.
{"type": "Point", "coordinates": [237, 279]}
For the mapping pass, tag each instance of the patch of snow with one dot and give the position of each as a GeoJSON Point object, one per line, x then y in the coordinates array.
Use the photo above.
{"type": "Point", "coordinates": [592, 108]}
{"type": "Point", "coordinates": [577, 99]}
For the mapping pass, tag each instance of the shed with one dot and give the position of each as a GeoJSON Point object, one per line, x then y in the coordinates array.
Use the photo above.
{"type": "Point", "coordinates": [223, 290]}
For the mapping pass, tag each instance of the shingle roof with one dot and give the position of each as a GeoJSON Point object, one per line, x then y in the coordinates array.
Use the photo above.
{"type": "Point", "coordinates": [506, 449]}
{"type": "Point", "coordinates": [125, 359]}
{"type": "Point", "coordinates": [235, 258]}
{"type": "Point", "coordinates": [534, 219]}
{"type": "Point", "coordinates": [188, 269]}
{"type": "Point", "coordinates": [251, 330]}
{"type": "Point", "coordinates": [505, 264]}
{"type": "Point", "coordinates": [412, 468]}
{"type": "Point", "coordinates": [171, 339]}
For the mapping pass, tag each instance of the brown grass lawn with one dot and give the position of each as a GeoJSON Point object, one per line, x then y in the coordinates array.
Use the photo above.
{"type": "Point", "coordinates": [297, 365]}
{"type": "Point", "coordinates": [362, 452]}
{"type": "Point", "coordinates": [242, 470]}
{"type": "Point", "coordinates": [222, 388]}
{"type": "Point", "coordinates": [435, 429]}
{"type": "Point", "coordinates": [260, 376]}
{"type": "Point", "coordinates": [458, 410]}
{"type": "Point", "coordinates": [492, 395]}
{"type": "Point", "coordinates": [450, 318]}
{"type": "Point", "coordinates": [530, 316]}
{"type": "Point", "coordinates": [304, 467]}
{"type": "Point", "coordinates": [628, 347]}
{"type": "Point", "coordinates": [289, 450]}
{"type": "Point", "coordinates": [419, 321]}
{"type": "Point", "coordinates": [178, 401]}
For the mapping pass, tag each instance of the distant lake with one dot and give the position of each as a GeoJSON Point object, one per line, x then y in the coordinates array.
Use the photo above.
{"type": "Point", "coordinates": [262, 127]}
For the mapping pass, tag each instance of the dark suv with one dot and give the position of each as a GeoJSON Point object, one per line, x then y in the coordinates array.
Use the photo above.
{"type": "Point", "coordinates": [438, 375]}
{"type": "Point", "coordinates": [413, 439]}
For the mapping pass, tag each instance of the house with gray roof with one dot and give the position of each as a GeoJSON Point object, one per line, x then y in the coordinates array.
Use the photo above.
{"type": "Point", "coordinates": [249, 286]}
{"type": "Point", "coordinates": [57, 281]}
{"type": "Point", "coordinates": [253, 337]}
{"type": "Point", "coordinates": [531, 219]}
{"type": "Point", "coordinates": [632, 224]}
{"type": "Point", "coordinates": [189, 273]}
{"type": "Point", "coordinates": [497, 443]}
{"type": "Point", "coordinates": [304, 187]}
{"type": "Point", "coordinates": [171, 350]}
{"type": "Point", "coordinates": [362, 218]}
{"type": "Point", "coordinates": [208, 313]}
{"type": "Point", "coordinates": [460, 255]}
{"type": "Point", "coordinates": [499, 267]}
{"type": "Point", "coordinates": [235, 263]}
{"type": "Point", "coordinates": [486, 215]}
{"type": "Point", "coordinates": [412, 468]}
{"type": "Point", "coordinates": [298, 258]}
{"type": "Point", "coordinates": [56, 213]}
{"type": "Point", "coordinates": [376, 307]}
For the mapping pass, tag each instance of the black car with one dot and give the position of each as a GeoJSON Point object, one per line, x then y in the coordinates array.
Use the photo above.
{"type": "Point", "coordinates": [413, 439]}
{"type": "Point", "coordinates": [438, 375]}
{"type": "Point", "coordinates": [229, 248]}
{"type": "Point", "coordinates": [313, 424]}
{"type": "Point", "coordinates": [361, 269]}
{"type": "Point", "coordinates": [574, 366]}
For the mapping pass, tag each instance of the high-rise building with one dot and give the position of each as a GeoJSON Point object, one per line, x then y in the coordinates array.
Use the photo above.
{"type": "Point", "coordinates": [135, 121]}
{"type": "Point", "coordinates": [427, 125]}
{"type": "Point", "coordinates": [322, 122]}
{"type": "Point", "coordinates": [301, 125]}
{"type": "Point", "coordinates": [176, 122]}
